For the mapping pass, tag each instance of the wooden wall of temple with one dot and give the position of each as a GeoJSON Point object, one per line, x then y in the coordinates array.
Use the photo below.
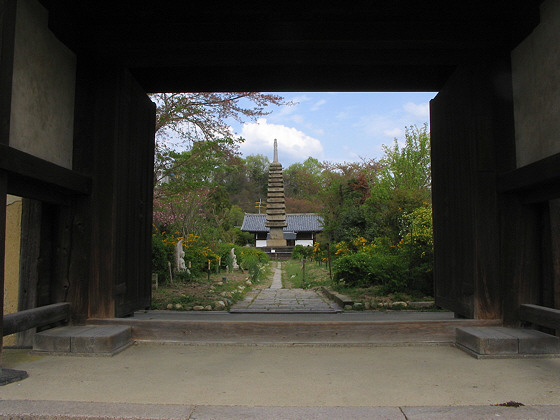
{"type": "Point", "coordinates": [496, 180]}
{"type": "Point", "coordinates": [87, 185]}
{"type": "Point", "coordinates": [472, 143]}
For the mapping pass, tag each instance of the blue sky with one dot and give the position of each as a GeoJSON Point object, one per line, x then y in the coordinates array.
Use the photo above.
{"type": "Point", "coordinates": [334, 126]}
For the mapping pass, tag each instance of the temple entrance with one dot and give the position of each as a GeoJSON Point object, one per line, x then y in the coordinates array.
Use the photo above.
{"type": "Point", "coordinates": [77, 131]}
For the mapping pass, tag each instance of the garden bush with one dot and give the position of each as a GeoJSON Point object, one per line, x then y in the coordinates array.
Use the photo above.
{"type": "Point", "coordinates": [363, 269]}
{"type": "Point", "coordinates": [161, 254]}
{"type": "Point", "coordinates": [300, 252]}
{"type": "Point", "coordinates": [255, 262]}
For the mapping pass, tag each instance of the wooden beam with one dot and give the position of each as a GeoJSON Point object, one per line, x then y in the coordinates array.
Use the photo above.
{"type": "Point", "coordinates": [540, 315]}
{"type": "Point", "coordinates": [7, 38]}
{"type": "Point", "coordinates": [37, 317]}
{"type": "Point", "coordinates": [25, 168]}
{"type": "Point", "coordinates": [536, 182]}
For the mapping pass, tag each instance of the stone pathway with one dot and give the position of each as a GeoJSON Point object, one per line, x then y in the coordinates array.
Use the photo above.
{"type": "Point", "coordinates": [279, 300]}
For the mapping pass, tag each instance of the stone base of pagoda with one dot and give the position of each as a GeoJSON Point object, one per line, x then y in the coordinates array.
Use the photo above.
{"type": "Point", "coordinates": [276, 242]}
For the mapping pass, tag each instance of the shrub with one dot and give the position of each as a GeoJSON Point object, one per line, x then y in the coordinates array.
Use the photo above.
{"type": "Point", "coordinates": [300, 252]}
{"type": "Point", "coordinates": [255, 261]}
{"type": "Point", "coordinates": [224, 251]}
{"type": "Point", "coordinates": [353, 270]}
{"type": "Point", "coordinates": [364, 269]}
{"type": "Point", "coordinates": [162, 253]}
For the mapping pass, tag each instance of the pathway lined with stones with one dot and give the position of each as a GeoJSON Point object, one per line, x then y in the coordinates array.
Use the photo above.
{"type": "Point", "coordinates": [279, 300]}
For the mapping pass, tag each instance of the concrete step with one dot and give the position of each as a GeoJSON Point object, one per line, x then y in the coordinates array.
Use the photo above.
{"type": "Point", "coordinates": [322, 329]}
{"type": "Point", "coordinates": [495, 342]}
{"type": "Point", "coordinates": [105, 340]}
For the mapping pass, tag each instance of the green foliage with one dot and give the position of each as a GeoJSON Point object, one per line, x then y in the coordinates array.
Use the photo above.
{"type": "Point", "coordinates": [377, 214]}
{"type": "Point", "coordinates": [407, 167]}
{"type": "Point", "coordinates": [161, 254]}
{"type": "Point", "coordinates": [300, 252]}
{"type": "Point", "coordinates": [364, 269]}
{"type": "Point", "coordinates": [198, 253]}
{"type": "Point", "coordinates": [255, 262]}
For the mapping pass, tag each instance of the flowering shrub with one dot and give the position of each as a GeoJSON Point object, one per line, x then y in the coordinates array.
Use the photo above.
{"type": "Point", "coordinates": [341, 248]}
{"type": "Point", "coordinates": [198, 253]}
{"type": "Point", "coordinates": [398, 267]}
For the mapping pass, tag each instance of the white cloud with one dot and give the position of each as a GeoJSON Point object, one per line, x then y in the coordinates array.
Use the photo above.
{"type": "Point", "coordinates": [318, 105]}
{"type": "Point", "coordinates": [297, 118]}
{"type": "Point", "coordinates": [418, 110]}
{"type": "Point", "coordinates": [293, 145]}
{"type": "Point", "coordinates": [343, 115]}
{"type": "Point", "coordinates": [379, 126]}
{"type": "Point", "coordinates": [393, 132]}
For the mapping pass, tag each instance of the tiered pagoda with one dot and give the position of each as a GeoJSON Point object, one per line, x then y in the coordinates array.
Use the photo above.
{"type": "Point", "coordinates": [276, 203]}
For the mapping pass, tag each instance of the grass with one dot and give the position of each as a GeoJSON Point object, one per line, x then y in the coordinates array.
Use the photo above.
{"type": "Point", "coordinates": [315, 275]}
{"type": "Point", "coordinates": [183, 295]}
{"type": "Point", "coordinates": [318, 275]}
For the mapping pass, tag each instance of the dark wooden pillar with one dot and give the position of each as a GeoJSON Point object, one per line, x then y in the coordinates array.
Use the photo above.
{"type": "Point", "coordinates": [7, 38]}
{"type": "Point", "coordinates": [472, 143]}
{"type": "Point", "coordinates": [114, 144]}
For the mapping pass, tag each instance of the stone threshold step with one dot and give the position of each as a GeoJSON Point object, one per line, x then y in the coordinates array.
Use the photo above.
{"type": "Point", "coordinates": [502, 342]}
{"type": "Point", "coordinates": [284, 311]}
{"type": "Point", "coordinates": [291, 331]}
{"type": "Point", "coordinates": [87, 340]}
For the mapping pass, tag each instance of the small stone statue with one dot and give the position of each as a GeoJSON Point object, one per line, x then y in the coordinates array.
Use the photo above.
{"type": "Point", "coordinates": [234, 264]}
{"type": "Point", "coordinates": [180, 257]}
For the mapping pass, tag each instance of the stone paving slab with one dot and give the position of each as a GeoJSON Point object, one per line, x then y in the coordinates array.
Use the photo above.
{"type": "Point", "coordinates": [546, 412]}
{"type": "Point", "coordinates": [70, 410]}
{"type": "Point", "coordinates": [277, 299]}
{"type": "Point", "coordinates": [295, 413]}
{"type": "Point", "coordinates": [270, 300]}
{"type": "Point", "coordinates": [66, 410]}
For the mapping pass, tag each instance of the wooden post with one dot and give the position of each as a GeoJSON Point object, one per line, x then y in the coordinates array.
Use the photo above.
{"type": "Point", "coordinates": [303, 272]}
{"type": "Point", "coordinates": [170, 272]}
{"type": "Point", "coordinates": [208, 270]}
{"type": "Point", "coordinates": [329, 259]}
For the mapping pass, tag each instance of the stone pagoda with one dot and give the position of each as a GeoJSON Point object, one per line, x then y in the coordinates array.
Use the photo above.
{"type": "Point", "coordinates": [275, 203]}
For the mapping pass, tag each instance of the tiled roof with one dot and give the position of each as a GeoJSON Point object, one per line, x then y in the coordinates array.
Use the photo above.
{"type": "Point", "coordinates": [298, 222]}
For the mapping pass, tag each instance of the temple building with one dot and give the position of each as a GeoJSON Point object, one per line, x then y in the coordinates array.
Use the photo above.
{"type": "Point", "coordinates": [276, 229]}
{"type": "Point", "coordinates": [300, 229]}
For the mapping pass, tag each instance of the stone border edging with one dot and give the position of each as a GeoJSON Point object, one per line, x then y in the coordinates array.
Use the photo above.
{"type": "Point", "coordinates": [337, 297]}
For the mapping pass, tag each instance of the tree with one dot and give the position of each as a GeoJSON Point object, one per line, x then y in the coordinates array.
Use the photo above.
{"type": "Point", "coordinates": [408, 167]}
{"type": "Point", "coordinates": [185, 120]}
{"type": "Point", "coordinates": [346, 186]}
{"type": "Point", "coordinates": [256, 170]}
{"type": "Point", "coordinates": [203, 115]}
{"type": "Point", "coordinates": [303, 180]}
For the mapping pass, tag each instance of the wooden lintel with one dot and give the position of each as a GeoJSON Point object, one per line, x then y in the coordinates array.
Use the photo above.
{"type": "Point", "coordinates": [23, 168]}
{"type": "Point", "coordinates": [36, 190]}
{"type": "Point", "coordinates": [539, 181]}
{"type": "Point", "coordinates": [540, 315]}
{"type": "Point", "coordinates": [37, 317]}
